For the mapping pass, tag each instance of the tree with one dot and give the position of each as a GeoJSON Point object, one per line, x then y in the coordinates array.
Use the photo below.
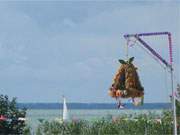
{"type": "Point", "coordinates": [177, 101]}
{"type": "Point", "coordinates": [10, 111]}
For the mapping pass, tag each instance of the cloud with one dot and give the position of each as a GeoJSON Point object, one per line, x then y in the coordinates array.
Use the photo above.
{"type": "Point", "coordinates": [51, 50]}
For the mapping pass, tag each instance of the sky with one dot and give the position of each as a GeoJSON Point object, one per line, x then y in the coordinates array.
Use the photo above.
{"type": "Point", "coordinates": [49, 49]}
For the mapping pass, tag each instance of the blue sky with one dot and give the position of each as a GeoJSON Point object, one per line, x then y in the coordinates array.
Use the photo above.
{"type": "Point", "coordinates": [52, 48]}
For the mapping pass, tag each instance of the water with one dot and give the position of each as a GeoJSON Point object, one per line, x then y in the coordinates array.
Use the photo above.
{"type": "Point", "coordinates": [34, 115]}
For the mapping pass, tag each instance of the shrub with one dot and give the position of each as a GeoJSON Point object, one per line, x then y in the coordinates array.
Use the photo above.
{"type": "Point", "coordinates": [140, 125]}
{"type": "Point", "coordinates": [9, 110]}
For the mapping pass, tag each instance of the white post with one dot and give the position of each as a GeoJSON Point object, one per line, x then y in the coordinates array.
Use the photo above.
{"type": "Point", "coordinates": [173, 103]}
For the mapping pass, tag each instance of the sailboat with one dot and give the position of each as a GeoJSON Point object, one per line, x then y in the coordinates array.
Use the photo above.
{"type": "Point", "coordinates": [65, 111]}
{"type": "Point", "coordinates": [65, 116]}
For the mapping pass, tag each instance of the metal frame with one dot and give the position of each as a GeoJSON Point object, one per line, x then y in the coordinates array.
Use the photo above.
{"type": "Point", "coordinates": [167, 64]}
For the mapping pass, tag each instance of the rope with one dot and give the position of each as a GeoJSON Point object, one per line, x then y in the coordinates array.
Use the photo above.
{"type": "Point", "coordinates": [126, 48]}
{"type": "Point", "coordinates": [130, 43]}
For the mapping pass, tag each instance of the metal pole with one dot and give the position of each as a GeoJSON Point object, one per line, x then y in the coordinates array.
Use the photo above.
{"type": "Point", "coordinates": [172, 85]}
{"type": "Point", "coordinates": [152, 51]}
{"type": "Point", "coordinates": [173, 104]}
{"type": "Point", "coordinates": [147, 34]}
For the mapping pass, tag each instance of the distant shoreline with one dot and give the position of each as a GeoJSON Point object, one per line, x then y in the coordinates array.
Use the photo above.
{"type": "Point", "coordinates": [92, 106]}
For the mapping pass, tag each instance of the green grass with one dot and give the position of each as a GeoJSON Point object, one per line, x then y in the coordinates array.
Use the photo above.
{"type": "Point", "coordinates": [139, 125]}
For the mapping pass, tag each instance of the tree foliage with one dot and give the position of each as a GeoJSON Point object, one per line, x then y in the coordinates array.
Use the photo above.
{"type": "Point", "coordinates": [8, 109]}
{"type": "Point", "coordinates": [177, 102]}
{"type": "Point", "coordinates": [140, 125]}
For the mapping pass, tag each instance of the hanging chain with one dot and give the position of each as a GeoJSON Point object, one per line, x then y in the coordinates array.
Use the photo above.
{"type": "Point", "coordinates": [126, 49]}
{"type": "Point", "coordinates": [129, 43]}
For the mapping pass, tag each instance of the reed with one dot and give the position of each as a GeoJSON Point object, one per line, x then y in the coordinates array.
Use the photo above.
{"type": "Point", "coordinates": [139, 125]}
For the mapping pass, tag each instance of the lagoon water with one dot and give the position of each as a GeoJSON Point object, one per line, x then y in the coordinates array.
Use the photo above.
{"type": "Point", "coordinates": [34, 115]}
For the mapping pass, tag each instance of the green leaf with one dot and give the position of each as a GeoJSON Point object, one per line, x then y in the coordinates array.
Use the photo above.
{"type": "Point", "coordinates": [131, 60]}
{"type": "Point", "coordinates": [122, 61]}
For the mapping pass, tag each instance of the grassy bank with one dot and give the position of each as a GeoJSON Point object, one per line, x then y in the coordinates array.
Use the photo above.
{"type": "Point", "coordinates": [138, 125]}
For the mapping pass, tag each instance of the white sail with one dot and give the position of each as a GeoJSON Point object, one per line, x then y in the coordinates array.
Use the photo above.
{"type": "Point", "coordinates": [65, 112]}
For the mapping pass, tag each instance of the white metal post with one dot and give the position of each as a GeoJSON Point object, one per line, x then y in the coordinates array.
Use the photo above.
{"type": "Point", "coordinates": [173, 104]}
